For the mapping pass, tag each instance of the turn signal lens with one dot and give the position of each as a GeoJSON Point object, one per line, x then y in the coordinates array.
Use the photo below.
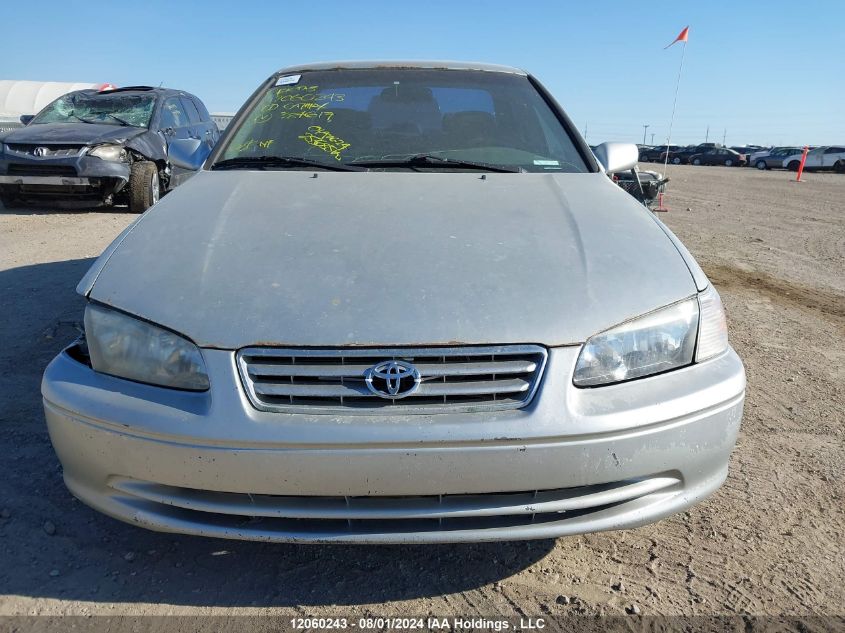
{"type": "Point", "coordinates": [713, 327]}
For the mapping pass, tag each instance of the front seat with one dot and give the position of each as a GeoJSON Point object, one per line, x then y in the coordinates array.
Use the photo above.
{"type": "Point", "coordinates": [469, 129]}
{"type": "Point", "coordinates": [405, 110]}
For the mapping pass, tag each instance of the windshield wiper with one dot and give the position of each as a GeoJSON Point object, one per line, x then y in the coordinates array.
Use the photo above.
{"type": "Point", "coordinates": [429, 160]}
{"type": "Point", "coordinates": [117, 118]}
{"type": "Point", "coordinates": [76, 116]}
{"type": "Point", "coordinates": [264, 162]}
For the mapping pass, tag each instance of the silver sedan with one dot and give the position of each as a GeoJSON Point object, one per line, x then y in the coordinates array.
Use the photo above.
{"type": "Point", "coordinates": [400, 302]}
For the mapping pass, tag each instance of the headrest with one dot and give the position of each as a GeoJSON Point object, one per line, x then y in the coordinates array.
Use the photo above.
{"type": "Point", "coordinates": [405, 94]}
{"type": "Point", "coordinates": [470, 120]}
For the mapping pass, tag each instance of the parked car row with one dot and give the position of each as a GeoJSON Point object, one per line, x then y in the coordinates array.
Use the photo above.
{"type": "Point", "coordinates": [828, 157]}
{"type": "Point", "coordinates": [701, 154]}
{"type": "Point", "coordinates": [652, 154]}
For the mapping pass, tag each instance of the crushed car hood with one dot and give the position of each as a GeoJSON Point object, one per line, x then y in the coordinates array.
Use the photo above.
{"type": "Point", "coordinates": [239, 258]}
{"type": "Point", "coordinates": [81, 133]}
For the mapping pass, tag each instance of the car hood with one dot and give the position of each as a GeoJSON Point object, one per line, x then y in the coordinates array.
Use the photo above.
{"type": "Point", "coordinates": [239, 258]}
{"type": "Point", "coordinates": [75, 133]}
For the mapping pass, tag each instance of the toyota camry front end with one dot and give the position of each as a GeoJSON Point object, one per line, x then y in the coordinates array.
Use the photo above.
{"type": "Point", "coordinates": [402, 302]}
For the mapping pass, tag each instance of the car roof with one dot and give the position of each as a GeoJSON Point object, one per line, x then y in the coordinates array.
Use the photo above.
{"type": "Point", "coordinates": [137, 89]}
{"type": "Point", "coordinates": [422, 64]}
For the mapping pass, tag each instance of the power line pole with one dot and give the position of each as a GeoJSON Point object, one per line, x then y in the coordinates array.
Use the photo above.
{"type": "Point", "coordinates": [585, 131]}
{"type": "Point", "coordinates": [707, 135]}
{"type": "Point", "coordinates": [652, 138]}
{"type": "Point", "coordinates": [645, 127]}
{"type": "Point", "coordinates": [724, 136]}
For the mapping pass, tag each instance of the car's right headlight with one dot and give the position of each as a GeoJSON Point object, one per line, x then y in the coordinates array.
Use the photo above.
{"type": "Point", "coordinates": [111, 152]}
{"type": "Point", "coordinates": [126, 347]}
{"type": "Point", "coordinates": [694, 329]}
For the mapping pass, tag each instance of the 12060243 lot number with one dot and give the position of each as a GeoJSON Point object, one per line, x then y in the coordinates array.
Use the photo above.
{"type": "Point", "coordinates": [370, 623]}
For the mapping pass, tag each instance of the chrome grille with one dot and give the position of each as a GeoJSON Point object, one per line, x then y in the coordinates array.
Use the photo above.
{"type": "Point", "coordinates": [54, 151]}
{"type": "Point", "coordinates": [40, 169]}
{"type": "Point", "coordinates": [333, 380]}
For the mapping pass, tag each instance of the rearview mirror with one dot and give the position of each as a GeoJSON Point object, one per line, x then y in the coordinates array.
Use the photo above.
{"type": "Point", "coordinates": [26, 118]}
{"type": "Point", "coordinates": [187, 153]}
{"type": "Point", "coordinates": [616, 157]}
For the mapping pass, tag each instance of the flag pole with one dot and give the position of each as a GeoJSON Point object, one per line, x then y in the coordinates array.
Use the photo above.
{"type": "Point", "coordinates": [674, 103]}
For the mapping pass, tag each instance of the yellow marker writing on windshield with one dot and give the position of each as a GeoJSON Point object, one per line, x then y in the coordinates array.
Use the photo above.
{"type": "Point", "coordinates": [325, 140]}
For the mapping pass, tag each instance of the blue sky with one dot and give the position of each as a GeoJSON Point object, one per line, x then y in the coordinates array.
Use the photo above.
{"type": "Point", "coordinates": [767, 72]}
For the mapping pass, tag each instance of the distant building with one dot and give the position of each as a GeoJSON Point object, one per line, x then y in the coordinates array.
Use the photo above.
{"type": "Point", "coordinates": [28, 97]}
{"type": "Point", "coordinates": [222, 119]}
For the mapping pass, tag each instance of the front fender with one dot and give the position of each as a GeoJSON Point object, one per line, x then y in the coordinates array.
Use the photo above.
{"type": "Point", "coordinates": [87, 282]}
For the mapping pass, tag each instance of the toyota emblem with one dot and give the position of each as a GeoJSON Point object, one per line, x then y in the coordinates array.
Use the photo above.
{"type": "Point", "coordinates": [393, 379]}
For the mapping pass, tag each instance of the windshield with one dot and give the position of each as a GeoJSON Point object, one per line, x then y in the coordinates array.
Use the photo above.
{"type": "Point", "coordinates": [110, 109]}
{"type": "Point", "coordinates": [387, 116]}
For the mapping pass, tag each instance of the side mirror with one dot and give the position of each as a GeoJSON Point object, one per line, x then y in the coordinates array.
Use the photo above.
{"type": "Point", "coordinates": [616, 157]}
{"type": "Point", "coordinates": [26, 118]}
{"type": "Point", "coordinates": [187, 153]}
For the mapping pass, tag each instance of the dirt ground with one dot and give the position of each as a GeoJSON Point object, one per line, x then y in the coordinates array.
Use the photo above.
{"type": "Point", "coordinates": [770, 542]}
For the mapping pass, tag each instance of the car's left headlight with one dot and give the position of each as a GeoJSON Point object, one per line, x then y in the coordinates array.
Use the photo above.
{"type": "Point", "coordinates": [690, 330]}
{"type": "Point", "coordinates": [115, 153]}
{"type": "Point", "coordinates": [650, 344]}
{"type": "Point", "coordinates": [126, 347]}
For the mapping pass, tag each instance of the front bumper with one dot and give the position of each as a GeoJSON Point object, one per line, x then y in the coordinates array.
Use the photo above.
{"type": "Point", "coordinates": [74, 178]}
{"type": "Point", "coordinates": [573, 461]}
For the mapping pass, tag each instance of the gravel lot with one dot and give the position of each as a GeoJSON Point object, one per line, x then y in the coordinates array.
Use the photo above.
{"type": "Point", "coordinates": [769, 542]}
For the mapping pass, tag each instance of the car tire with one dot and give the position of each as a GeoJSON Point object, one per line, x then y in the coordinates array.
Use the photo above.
{"type": "Point", "coordinates": [761, 164]}
{"type": "Point", "coordinates": [839, 167]}
{"type": "Point", "coordinates": [729, 163]}
{"type": "Point", "coordinates": [144, 186]}
{"type": "Point", "coordinates": [676, 160]}
{"type": "Point", "coordinates": [793, 165]}
{"type": "Point", "coordinates": [643, 158]}
{"type": "Point", "coordinates": [697, 161]}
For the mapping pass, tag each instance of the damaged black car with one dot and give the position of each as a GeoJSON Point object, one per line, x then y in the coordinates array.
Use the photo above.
{"type": "Point", "coordinates": [121, 146]}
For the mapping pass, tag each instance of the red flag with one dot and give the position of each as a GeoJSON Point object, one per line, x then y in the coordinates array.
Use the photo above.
{"type": "Point", "coordinates": [682, 37]}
